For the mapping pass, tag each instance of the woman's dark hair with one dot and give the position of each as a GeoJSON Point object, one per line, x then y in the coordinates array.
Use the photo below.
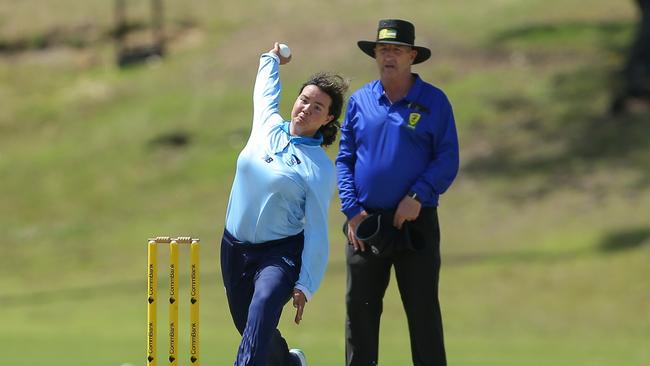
{"type": "Point", "coordinates": [335, 86]}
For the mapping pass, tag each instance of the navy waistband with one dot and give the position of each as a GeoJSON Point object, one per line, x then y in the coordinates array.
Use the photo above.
{"type": "Point", "coordinates": [289, 239]}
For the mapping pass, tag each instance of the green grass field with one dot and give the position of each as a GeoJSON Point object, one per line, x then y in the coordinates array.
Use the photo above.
{"type": "Point", "coordinates": [545, 233]}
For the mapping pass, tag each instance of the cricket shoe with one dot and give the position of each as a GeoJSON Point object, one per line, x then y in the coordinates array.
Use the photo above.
{"type": "Point", "coordinates": [298, 357]}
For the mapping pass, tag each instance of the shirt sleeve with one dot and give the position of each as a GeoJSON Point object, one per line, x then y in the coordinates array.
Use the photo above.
{"type": "Point", "coordinates": [443, 168]}
{"type": "Point", "coordinates": [345, 162]}
{"type": "Point", "coordinates": [266, 94]}
{"type": "Point", "coordinates": [316, 249]}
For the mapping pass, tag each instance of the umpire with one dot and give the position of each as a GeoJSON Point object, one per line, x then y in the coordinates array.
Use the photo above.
{"type": "Point", "coordinates": [398, 153]}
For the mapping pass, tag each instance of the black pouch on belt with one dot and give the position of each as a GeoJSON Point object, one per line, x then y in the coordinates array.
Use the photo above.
{"type": "Point", "coordinates": [377, 231]}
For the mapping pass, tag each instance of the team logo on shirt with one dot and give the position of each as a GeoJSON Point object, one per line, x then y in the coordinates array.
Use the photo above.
{"type": "Point", "coordinates": [414, 118]}
{"type": "Point", "coordinates": [267, 158]}
{"type": "Point", "coordinates": [293, 160]}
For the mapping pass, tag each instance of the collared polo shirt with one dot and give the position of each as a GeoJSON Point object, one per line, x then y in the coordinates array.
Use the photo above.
{"type": "Point", "coordinates": [388, 149]}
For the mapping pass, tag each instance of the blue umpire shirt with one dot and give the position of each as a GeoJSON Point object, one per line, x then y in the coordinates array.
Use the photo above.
{"type": "Point", "coordinates": [389, 149]}
{"type": "Point", "coordinates": [283, 183]}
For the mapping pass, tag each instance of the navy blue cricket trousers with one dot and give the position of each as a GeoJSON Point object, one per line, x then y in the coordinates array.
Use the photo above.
{"type": "Point", "coordinates": [259, 280]}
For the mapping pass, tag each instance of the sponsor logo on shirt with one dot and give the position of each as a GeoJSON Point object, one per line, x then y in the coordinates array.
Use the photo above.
{"type": "Point", "coordinates": [293, 160]}
{"type": "Point", "coordinates": [267, 158]}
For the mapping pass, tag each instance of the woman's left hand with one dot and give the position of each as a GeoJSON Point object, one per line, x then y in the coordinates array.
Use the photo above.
{"type": "Point", "coordinates": [299, 301]}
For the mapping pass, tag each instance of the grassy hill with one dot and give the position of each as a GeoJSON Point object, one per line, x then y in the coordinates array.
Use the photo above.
{"type": "Point", "coordinates": [546, 236]}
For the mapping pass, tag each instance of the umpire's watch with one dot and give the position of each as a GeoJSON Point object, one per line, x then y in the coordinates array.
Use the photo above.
{"type": "Point", "coordinates": [414, 196]}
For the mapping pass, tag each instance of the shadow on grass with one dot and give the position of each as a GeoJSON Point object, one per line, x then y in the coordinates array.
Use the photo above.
{"type": "Point", "coordinates": [625, 240]}
{"type": "Point", "coordinates": [582, 146]}
{"type": "Point", "coordinates": [81, 36]}
{"type": "Point", "coordinates": [563, 139]}
{"type": "Point", "coordinates": [614, 242]}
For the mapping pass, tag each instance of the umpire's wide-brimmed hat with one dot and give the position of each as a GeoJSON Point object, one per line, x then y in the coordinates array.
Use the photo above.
{"type": "Point", "coordinates": [399, 32]}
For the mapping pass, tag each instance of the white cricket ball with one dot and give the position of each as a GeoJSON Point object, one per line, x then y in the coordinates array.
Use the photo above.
{"type": "Point", "coordinates": [285, 51]}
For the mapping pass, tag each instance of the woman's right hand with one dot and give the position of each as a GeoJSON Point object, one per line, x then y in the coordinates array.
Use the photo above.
{"type": "Point", "coordinates": [276, 50]}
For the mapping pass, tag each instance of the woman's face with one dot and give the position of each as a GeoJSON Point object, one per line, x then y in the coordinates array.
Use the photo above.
{"type": "Point", "coordinates": [310, 111]}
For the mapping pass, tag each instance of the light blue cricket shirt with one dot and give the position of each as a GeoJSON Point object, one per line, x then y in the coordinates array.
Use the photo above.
{"type": "Point", "coordinates": [283, 183]}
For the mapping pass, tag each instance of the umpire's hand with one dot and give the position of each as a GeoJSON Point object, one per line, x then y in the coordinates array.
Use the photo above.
{"type": "Point", "coordinates": [407, 210]}
{"type": "Point", "coordinates": [352, 227]}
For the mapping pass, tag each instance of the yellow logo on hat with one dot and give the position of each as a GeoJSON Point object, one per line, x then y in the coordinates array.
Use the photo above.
{"type": "Point", "coordinates": [414, 118]}
{"type": "Point", "coordinates": [387, 33]}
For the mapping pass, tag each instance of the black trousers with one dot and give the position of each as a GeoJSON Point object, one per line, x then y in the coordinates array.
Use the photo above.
{"type": "Point", "coordinates": [417, 274]}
